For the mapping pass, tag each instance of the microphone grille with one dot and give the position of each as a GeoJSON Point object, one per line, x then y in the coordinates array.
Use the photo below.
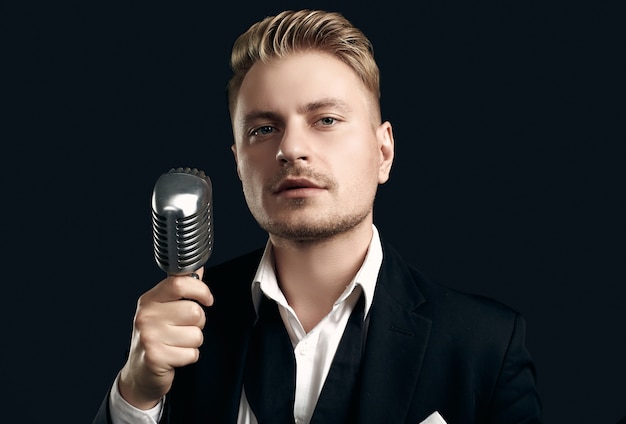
{"type": "Point", "coordinates": [182, 221]}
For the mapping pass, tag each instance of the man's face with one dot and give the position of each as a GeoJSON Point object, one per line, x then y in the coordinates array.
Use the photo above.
{"type": "Point", "coordinates": [310, 152]}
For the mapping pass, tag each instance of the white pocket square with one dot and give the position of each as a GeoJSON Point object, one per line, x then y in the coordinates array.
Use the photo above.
{"type": "Point", "coordinates": [434, 418]}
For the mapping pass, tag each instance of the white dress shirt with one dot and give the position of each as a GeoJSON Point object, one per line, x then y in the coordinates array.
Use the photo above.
{"type": "Point", "coordinates": [314, 351]}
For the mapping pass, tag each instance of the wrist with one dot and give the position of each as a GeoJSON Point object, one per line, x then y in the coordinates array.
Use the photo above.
{"type": "Point", "coordinates": [135, 395]}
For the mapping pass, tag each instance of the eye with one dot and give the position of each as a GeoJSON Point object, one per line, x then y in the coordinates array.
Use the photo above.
{"type": "Point", "coordinates": [264, 130]}
{"type": "Point", "coordinates": [326, 121]}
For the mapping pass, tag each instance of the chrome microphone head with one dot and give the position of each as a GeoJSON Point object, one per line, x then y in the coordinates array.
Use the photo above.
{"type": "Point", "coordinates": [182, 221]}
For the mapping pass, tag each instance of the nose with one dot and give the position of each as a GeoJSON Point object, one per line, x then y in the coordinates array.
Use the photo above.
{"type": "Point", "coordinates": [293, 147]}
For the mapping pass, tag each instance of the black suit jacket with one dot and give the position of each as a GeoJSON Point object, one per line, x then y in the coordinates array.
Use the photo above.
{"type": "Point", "coordinates": [428, 348]}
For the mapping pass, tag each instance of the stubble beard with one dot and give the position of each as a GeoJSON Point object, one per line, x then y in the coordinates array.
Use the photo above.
{"type": "Point", "coordinates": [327, 225]}
{"type": "Point", "coordinates": [320, 229]}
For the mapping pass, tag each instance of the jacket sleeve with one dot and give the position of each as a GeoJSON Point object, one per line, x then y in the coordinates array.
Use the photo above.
{"type": "Point", "coordinates": [515, 398]}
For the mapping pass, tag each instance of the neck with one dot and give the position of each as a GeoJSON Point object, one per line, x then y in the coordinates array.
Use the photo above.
{"type": "Point", "coordinates": [312, 275]}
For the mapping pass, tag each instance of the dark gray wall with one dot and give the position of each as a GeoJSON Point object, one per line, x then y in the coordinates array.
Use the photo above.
{"type": "Point", "coordinates": [508, 180]}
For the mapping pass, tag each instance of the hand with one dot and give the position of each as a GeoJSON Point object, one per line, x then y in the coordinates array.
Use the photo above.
{"type": "Point", "coordinates": [167, 333]}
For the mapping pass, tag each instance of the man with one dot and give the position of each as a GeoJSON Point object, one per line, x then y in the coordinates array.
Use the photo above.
{"type": "Point", "coordinates": [327, 323]}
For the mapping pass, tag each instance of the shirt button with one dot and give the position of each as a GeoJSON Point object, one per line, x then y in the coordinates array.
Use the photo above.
{"type": "Point", "coordinates": [303, 348]}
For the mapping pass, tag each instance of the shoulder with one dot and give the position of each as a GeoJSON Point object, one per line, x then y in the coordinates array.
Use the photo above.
{"type": "Point", "coordinates": [446, 301]}
{"type": "Point", "coordinates": [447, 307]}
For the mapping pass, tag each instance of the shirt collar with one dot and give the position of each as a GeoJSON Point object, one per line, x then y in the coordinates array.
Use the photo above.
{"type": "Point", "coordinates": [265, 278]}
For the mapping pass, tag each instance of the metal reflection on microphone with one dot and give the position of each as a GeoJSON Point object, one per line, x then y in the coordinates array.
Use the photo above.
{"type": "Point", "coordinates": [182, 220]}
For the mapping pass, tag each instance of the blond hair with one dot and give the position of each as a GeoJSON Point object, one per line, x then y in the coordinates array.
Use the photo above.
{"type": "Point", "coordinates": [296, 31]}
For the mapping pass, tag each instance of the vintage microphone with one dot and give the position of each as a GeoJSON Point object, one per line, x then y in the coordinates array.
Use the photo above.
{"type": "Point", "coordinates": [182, 221]}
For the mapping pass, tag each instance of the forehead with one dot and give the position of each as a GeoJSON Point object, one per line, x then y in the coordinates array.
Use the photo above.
{"type": "Point", "coordinates": [299, 79]}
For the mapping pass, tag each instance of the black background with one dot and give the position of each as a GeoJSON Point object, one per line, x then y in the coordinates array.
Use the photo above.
{"type": "Point", "coordinates": [508, 178]}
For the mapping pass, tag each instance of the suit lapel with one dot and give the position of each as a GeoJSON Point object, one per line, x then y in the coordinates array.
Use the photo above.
{"type": "Point", "coordinates": [396, 342]}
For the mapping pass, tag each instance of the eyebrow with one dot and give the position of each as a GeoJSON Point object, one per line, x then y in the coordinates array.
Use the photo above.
{"type": "Point", "coordinates": [324, 103]}
{"type": "Point", "coordinates": [267, 115]}
{"type": "Point", "coordinates": [260, 115]}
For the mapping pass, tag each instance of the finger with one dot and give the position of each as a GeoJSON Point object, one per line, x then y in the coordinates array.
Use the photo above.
{"type": "Point", "coordinates": [180, 312]}
{"type": "Point", "coordinates": [183, 312]}
{"type": "Point", "coordinates": [173, 356]}
{"type": "Point", "coordinates": [187, 337]}
{"type": "Point", "coordinates": [187, 287]}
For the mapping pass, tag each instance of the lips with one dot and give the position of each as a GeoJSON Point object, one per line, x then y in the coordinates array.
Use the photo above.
{"type": "Point", "coordinates": [294, 184]}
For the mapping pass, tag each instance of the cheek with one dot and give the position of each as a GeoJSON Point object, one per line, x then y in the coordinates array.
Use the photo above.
{"type": "Point", "coordinates": [251, 170]}
{"type": "Point", "coordinates": [362, 166]}
{"type": "Point", "coordinates": [357, 179]}
{"type": "Point", "coordinates": [244, 162]}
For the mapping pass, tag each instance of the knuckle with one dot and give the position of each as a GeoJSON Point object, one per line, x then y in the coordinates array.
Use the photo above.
{"type": "Point", "coordinates": [199, 338]}
{"type": "Point", "coordinates": [177, 285]}
{"type": "Point", "coordinates": [196, 313]}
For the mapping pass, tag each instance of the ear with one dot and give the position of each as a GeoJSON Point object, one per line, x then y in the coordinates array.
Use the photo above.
{"type": "Point", "coordinates": [233, 148]}
{"type": "Point", "coordinates": [384, 134]}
